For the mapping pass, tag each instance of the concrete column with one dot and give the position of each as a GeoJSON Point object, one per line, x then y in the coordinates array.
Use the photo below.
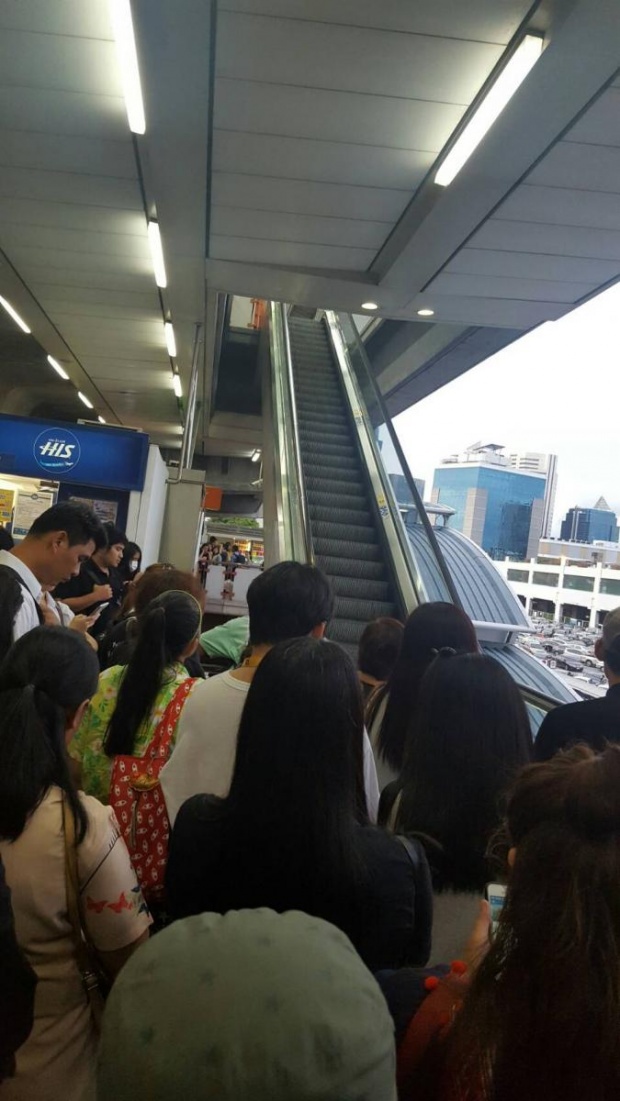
{"type": "Point", "coordinates": [595, 596]}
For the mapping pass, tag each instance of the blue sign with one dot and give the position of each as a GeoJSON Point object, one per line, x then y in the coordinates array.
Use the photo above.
{"type": "Point", "coordinates": [114, 458]}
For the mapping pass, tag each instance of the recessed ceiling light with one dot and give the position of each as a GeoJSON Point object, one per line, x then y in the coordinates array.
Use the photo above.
{"type": "Point", "coordinates": [370, 305]}
{"type": "Point", "coordinates": [426, 313]}
{"type": "Point", "coordinates": [58, 369]}
{"type": "Point", "coordinates": [87, 403]}
{"type": "Point", "coordinates": [101, 420]}
{"type": "Point", "coordinates": [176, 382]}
{"type": "Point", "coordinates": [157, 254]}
{"type": "Point", "coordinates": [256, 455]}
{"type": "Point", "coordinates": [491, 106]}
{"type": "Point", "coordinates": [171, 343]}
{"type": "Point", "coordinates": [122, 23]}
{"type": "Point", "coordinates": [14, 314]}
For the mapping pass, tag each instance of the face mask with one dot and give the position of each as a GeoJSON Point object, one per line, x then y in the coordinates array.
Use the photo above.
{"type": "Point", "coordinates": [133, 566]}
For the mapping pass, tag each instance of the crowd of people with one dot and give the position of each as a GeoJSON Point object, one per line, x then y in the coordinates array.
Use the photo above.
{"type": "Point", "coordinates": [269, 882]}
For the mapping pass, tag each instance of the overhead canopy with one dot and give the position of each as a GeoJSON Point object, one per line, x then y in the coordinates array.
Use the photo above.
{"type": "Point", "coordinates": [289, 153]}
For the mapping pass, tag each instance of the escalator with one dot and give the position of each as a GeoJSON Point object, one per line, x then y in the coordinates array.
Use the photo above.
{"type": "Point", "coordinates": [346, 538]}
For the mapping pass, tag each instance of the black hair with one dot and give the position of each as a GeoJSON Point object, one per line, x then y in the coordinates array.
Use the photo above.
{"type": "Point", "coordinates": [428, 628]}
{"type": "Point", "coordinates": [467, 740]}
{"type": "Point", "coordinates": [44, 678]}
{"type": "Point", "coordinates": [298, 785]}
{"type": "Point", "coordinates": [165, 629]}
{"type": "Point", "coordinates": [288, 601]}
{"type": "Point", "coordinates": [79, 521]}
{"type": "Point", "coordinates": [379, 647]}
{"type": "Point", "coordinates": [114, 535]}
{"type": "Point", "coordinates": [129, 553]}
{"type": "Point", "coordinates": [11, 600]}
{"type": "Point", "coordinates": [7, 541]}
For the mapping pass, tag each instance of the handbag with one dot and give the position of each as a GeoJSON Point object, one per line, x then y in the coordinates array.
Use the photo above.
{"type": "Point", "coordinates": [94, 980]}
{"type": "Point", "coordinates": [138, 801]}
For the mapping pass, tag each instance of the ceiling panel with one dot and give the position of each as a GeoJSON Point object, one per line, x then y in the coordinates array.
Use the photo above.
{"type": "Point", "coordinates": [67, 278]}
{"type": "Point", "coordinates": [30, 214]}
{"type": "Point", "coordinates": [81, 261]}
{"type": "Point", "coordinates": [60, 153]}
{"type": "Point", "coordinates": [71, 17]}
{"type": "Point", "coordinates": [600, 125]}
{"type": "Point", "coordinates": [66, 63]}
{"type": "Point", "coordinates": [561, 240]}
{"type": "Point", "coordinates": [233, 221]}
{"type": "Point", "coordinates": [574, 165]}
{"type": "Point", "coordinates": [67, 187]}
{"type": "Point", "coordinates": [471, 286]}
{"type": "Point", "coordinates": [558, 206]}
{"type": "Point", "coordinates": [301, 197]}
{"type": "Point", "coordinates": [47, 110]}
{"type": "Point", "coordinates": [61, 241]}
{"type": "Point", "coordinates": [329, 162]}
{"type": "Point", "coordinates": [352, 59]}
{"type": "Point", "coordinates": [497, 312]}
{"type": "Point", "coordinates": [479, 20]}
{"type": "Point", "coordinates": [290, 253]}
{"type": "Point", "coordinates": [527, 265]}
{"type": "Point", "coordinates": [334, 116]}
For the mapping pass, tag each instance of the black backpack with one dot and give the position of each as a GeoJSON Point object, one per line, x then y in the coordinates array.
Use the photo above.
{"type": "Point", "coordinates": [11, 600]}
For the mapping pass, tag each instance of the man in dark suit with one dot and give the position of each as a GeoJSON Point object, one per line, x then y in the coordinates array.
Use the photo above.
{"type": "Point", "coordinates": [594, 722]}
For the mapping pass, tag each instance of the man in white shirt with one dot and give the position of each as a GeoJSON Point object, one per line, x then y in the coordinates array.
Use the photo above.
{"type": "Point", "coordinates": [60, 539]}
{"type": "Point", "coordinates": [288, 601]}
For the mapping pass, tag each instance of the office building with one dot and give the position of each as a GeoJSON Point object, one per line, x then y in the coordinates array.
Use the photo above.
{"type": "Point", "coordinates": [535, 462]}
{"type": "Point", "coordinates": [599, 551]}
{"type": "Point", "coordinates": [585, 525]}
{"type": "Point", "coordinates": [499, 507]}
{"type": "Point", "coordinates": [581, 594]}
{"type": "Point", "coordinates": [403, 494]}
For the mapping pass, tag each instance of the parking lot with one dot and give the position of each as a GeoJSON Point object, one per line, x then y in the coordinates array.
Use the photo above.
{"type": "Point", "coordinates": [570, 651]}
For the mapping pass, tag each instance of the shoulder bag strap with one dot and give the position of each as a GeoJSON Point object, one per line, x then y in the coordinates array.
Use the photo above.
{"type": "Point", "coordinates": [83, 945]}
{"type": "Point", "coordinates": [423, 897]}
{"type": "Point", "coordinates": [159, 745]}
{"type": "Point", "coordinates": [26, 589]}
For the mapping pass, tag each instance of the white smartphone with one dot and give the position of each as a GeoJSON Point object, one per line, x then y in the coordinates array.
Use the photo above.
{"type": "Point", "coordinates": [495, 894]}
{"type": "Point", "coordinates": [97, 612]}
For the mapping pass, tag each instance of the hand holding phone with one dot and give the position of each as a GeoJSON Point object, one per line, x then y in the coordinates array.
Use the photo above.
{"type": "Point", "coordinates": [495, 894]}
{"type": "Point", "coordinates": [97, 612]}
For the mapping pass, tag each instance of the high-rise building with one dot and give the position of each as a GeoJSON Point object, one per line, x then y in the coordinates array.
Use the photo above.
{"type": "Point", "coordinates": [534, 462]}
{"type": "Point", "coordinates": [585, 525]}
{"type": "Point", "coordinates": [403, 494]}
{"type": "Point", "coordinates": [500, 507]}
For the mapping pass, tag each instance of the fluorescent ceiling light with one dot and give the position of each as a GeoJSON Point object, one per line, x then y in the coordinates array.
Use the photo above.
{"type": "Point", "coordinates": [101, 420]}
{"type": "Point", "coordinates": [171, 343]}
{"type": "Point", "coordinates": [501, 91]}
{"type": "Point", "coordinates": [370, 305]}
{"type": "Point", "coordinates": [58, 369]}
{"type": "Point", "coordinates": [14, 314]}
{"type": "Point", "coordinates": [256, 455]}
{"type": "Point", "coordinates": [176, 382]}
{"type": "Point", "coordinates": [122, 23]}
{"type": "Point", "coordinates": [157, 254]}
{"type": "Point", "coordinates": [426, 313]}
{"type": "Point", "coordinates": [87, 403]}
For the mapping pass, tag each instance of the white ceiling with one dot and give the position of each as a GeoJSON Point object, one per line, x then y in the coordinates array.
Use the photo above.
{"type": "Point", "coordinates": [290, 156]}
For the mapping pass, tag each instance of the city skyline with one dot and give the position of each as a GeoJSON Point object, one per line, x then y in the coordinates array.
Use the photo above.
{"type": "Point", "coordinates": [554, 391]}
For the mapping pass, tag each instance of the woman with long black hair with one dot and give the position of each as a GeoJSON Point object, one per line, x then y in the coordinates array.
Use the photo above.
{"type": "Point", "coordinates": [293, 833]}
{"type": "Point", "coordinates": [47, 827]}
{"type": "Point", "coordinates": [131, 699]}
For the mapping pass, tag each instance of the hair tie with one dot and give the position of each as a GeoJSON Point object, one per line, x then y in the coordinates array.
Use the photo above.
{"type": "Point", "coordinates": [443, 652]}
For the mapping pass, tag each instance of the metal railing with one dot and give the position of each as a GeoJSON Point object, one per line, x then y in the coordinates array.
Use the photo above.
{"type": "Point", "coordinates": [294, 539]}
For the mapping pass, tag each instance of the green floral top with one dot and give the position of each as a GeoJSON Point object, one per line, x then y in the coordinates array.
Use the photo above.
{"type": "Point", "coordinates": [87, 743]}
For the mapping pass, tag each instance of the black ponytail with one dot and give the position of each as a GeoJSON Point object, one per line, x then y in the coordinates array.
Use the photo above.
{"type": "Point", "coordinates": [11, 600]}
{"type": "Point", "coordinates": [165, 629]}
{"type": "Point", "coordinates": [45, 677]}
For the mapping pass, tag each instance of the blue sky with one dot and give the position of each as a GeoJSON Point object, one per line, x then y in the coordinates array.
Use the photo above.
{"type": "Point", "coordinates": [556, 389]}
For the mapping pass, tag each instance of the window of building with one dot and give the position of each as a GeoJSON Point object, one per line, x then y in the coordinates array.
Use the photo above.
{"type": "Point", "coordinates": [550, 579]}
{"type": "Point", "coordinates": [584, 584]}
{"type": "Point", "coordinates": [612, 588]}
{"type": "Point", "coordinates": [518, 575]}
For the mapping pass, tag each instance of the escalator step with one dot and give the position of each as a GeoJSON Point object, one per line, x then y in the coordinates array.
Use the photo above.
{"type": "Point", "coordinates": [342, 548]}
{"type": "Point", "coordinates": [327, 487]}
{"type": "Point", "coordinates": [323, 479]}
{"type": "Point", "coordinates": [361, 608]}
{"type": "Point", "coordinates": [349, 568]}
{"type": "Point", "coordinates": [348, 533]}
{"type": "Point", "coordinates": [346, 630]}
{"type": "Point", "coordinates": [359, 516]}
{"type": "Point", "coordinates": [324, 464]}
{"type": "Point", "coordinates": [373, 590]}
{"type": "Point", "coordinates": [324, 498]}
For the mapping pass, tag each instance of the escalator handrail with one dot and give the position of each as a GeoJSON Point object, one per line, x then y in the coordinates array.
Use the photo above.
{"type": "Point", "coordinates": [280, 319]}
{"type": "Point", "coordinates": [413, 489]}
